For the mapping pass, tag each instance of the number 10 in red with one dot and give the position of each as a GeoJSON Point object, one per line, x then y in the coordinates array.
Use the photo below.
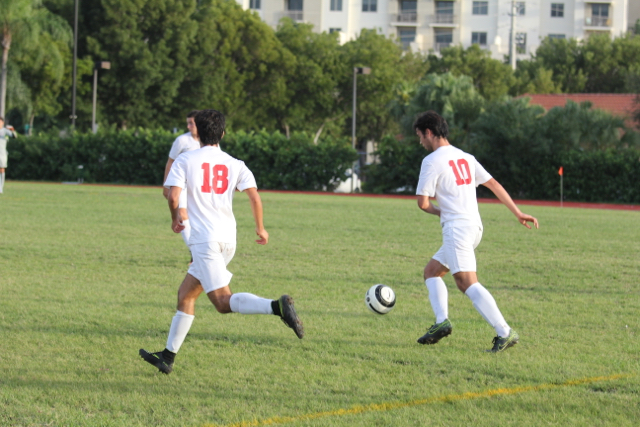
{"type": "Point", "coordinates": [220, 179]}
{"type": "Point", "coordinates": [460, 170]}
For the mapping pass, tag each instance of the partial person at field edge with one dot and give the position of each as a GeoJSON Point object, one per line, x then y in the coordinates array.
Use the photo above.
{"type": "Point", "coordinates": [210, 177]}
{"type": "Point", "coordinates": [451, 176]}
{"type": "Point", "coordinates": [5, 132]}
{"type": "Point", "coordinates": [183, 143]}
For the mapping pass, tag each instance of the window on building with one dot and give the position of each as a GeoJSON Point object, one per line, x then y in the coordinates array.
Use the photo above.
{"type": "Point", "coordinates": [521, 42]}
{"type": "Point", "coordinates": [336, 5]}
{"type": "Point", "coordinates": [557, 10]}
{"type": "Point", "coordinates": [407, 35]}
{"type": "Point", "coordinates": [557, 36]}
{"type": "Point", "coordinates": [520, 8]}
{"type": "Point", "coordinates": [294, 5]}
{"type": "Point", "coordinates": [444, 12]}
{"type": "Point", "coordinates": [479, 38]}
{"type": "Point", "coordinates": [599, 14]}
{"type": "Point", "coordinates": [408, 6]}
{"type": "Point", "coordinates": [334, 30]}
{"type": "Point", "coordinates": [369, 5]}
{"type": "Point", "coordinates": [443, 37]}
{"type": "Point", "coordinates": [480, 8]}
{"type": "Point", "coordinates": [254, 4]}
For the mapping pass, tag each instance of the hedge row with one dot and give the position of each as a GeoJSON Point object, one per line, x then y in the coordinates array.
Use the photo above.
{"type": "Point", "coordinates": [139, 157]}
{"type": "Point", "coordinates": [589, 176]}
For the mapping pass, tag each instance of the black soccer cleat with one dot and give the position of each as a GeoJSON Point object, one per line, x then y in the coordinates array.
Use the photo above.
{"type": "Point", "coordinates": [157, 360]}
{"type": "Point", "coordinates": [289, 316]}
{"type": "Point", "coordinates": [501, 344]}
{"type": "Point", "coordinates": [436, 332]}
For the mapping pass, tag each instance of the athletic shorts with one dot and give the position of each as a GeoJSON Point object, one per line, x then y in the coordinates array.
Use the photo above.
{"type": "Point", "coordinates": [182, 201]}
{"type": "Point", "coordinates": [457, 250]}
{"type": "Point", "coordinates": [210, 264]}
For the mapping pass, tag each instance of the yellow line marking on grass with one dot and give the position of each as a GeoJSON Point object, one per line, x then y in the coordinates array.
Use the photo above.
{"type": "Point", "coordinates": [388, 406]}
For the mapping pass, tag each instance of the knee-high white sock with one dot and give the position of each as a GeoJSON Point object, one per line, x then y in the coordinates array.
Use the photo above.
{"type": "Point", "coordinates": [487, 307]}
{"type": "Point", "coordinates": [439, 298]}
{"type": "Point", "coordinates": [1, 182]}
{"type": "Point", "coordinates": [186, 233]}
{"type": "Point", "coordinates": [180, 326]}
{"type": "Point", "coordinates": [246, 303]}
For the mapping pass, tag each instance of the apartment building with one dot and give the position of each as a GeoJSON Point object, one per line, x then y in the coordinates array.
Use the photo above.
{"type": "Point", "coordinates": [430, 25]}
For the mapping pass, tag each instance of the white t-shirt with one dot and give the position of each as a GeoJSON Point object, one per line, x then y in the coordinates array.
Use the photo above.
{"type": "Point", "coordinates": [451, 176]}
{"type": "Point", "coordinates": [210, 177]}
{"type": "Point", "coordinates": [183, 143]}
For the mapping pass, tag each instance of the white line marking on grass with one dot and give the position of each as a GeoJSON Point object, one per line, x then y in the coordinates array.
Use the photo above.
{"type": "Point", "coordinates": [388, 406]}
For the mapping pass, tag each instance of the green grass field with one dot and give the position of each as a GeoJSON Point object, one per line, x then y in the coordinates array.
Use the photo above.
{"type": "Point", "coordinates": [89, 274]}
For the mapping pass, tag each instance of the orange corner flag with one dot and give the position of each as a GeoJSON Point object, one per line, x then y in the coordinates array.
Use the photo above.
{"type": "Point", "coordinates": [560, 171]}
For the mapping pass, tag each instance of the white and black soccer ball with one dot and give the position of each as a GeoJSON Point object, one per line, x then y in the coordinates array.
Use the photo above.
{"type": "Point", "coordinates": [380, 299]}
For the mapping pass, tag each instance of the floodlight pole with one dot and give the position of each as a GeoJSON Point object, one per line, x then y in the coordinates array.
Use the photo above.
{"type": "Point", "coordinates": [75, 68]}
{"type": "Point", "coordinates": [512, 36]}
{"type": "Point", "coordinates": [98, 65]}
{"type": "Point", "coordinates": [356, 71]}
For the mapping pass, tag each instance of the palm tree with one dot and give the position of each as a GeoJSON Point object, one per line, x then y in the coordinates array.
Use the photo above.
{"type": "Point", "coordinates": [16, 16]}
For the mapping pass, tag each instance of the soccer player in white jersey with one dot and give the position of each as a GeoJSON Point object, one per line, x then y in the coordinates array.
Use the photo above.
{"type": "Point", "coordinates": [451, 176]}
{"type": "Point", "coordinates": [185, 142]}
{"type": "Point", "coordinates": [210, 176]}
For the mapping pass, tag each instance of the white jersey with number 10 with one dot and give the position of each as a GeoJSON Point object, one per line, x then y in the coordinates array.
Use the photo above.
{"type": "Point", "coordinates": [210, 178]}
{"type": "Point", "coordinates": [451, 176]}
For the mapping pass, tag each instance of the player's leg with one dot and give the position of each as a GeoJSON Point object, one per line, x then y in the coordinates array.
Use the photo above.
{"type": "Point", "coordinates": [438, 297]}
{"type": "Point", "coordinates": [181, 323]}
{"type": "Point", "coordinates": [1, 180]}
{"type": "Point", "coordinates": [215, 280]}
{"type": "Point", "coordinates": [464, 272]}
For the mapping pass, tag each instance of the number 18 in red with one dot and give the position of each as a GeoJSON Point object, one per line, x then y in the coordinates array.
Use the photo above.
{"type": "Point", "coordinates": [220, 179]}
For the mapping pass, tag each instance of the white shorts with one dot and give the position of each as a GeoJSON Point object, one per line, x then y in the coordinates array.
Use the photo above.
{"type": "Point", "coordinates": [210, 264]}
{"type": "Point", "coordinates": [457, 250]}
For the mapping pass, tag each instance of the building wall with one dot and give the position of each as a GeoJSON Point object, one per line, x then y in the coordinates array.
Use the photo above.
{"type": "Point", "coordinates": [537, 22]}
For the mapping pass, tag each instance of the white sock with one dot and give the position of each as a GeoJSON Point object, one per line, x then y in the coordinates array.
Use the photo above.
{"type": "Point", "coordinates": [186, 233]}
{"type": "Point", "coordinates": [1, 182]}
{"type": "Point", "coordinates": [487, 307]}
{"type": "Point", "coordinates": [246, 303]}
{"type": "Point", "coordinates": [438, 296]}
{"type": "Point", "coordinates": [180, 326]}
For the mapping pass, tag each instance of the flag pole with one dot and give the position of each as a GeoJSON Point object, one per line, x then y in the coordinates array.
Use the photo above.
{"type": "Point", "coordinates": [561, 173]}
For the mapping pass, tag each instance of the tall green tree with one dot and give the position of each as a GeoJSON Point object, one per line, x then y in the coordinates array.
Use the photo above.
{"type": "Point", "coordinates": [148, 44]}
{"type": "Point", "coordinates": [492, 78]}
{"type": "Point", "coordinates": [375, 92]}
{"type": "Point", "coordinates": [17, 21]}
{"type": "Point", "coordinates": [563, 57]}
{"type": "Point", "coordinates": [236, 65]}
{"type": "Point", "coordinates": [312, 84]}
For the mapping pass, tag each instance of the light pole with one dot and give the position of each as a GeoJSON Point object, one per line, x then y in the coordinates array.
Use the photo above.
{"type": "Point", "coordinates": [75, 61]}
{"type": "Point", "coordinates": [356, 71]}
{"type": "Point", "coordinates": [99, 65]}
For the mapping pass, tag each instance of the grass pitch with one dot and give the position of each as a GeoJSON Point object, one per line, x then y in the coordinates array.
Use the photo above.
{"type": "Point", "coordinates": [89, 274]}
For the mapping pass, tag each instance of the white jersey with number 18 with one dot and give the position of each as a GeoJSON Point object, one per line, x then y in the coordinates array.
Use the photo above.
{"type": "Point", "coordinates": [210, 178]}
{"type": "Point", "coordinates": [451, 176]}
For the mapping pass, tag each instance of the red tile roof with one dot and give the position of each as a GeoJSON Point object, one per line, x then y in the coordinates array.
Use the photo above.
{"type": "Point", "coordinates": [619, 104]}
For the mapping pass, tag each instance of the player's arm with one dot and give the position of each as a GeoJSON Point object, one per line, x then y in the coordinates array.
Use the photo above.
{"type": "Point", "coordinates": [256, 208]}
{"type": "Point", "coordinates": [504, 197]}
{"type": "Point", "coordinates": [174, 198]}
{"type": "Point", "coordinates": [167, 168]}
{"type": "Point", "coordinates": [425, 205]}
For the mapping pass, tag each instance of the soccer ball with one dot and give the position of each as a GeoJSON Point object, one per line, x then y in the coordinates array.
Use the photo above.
{"type": "Point", "coordinates": [380, 299]}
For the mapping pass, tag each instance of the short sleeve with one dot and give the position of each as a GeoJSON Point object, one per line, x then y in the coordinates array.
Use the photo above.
{"type": "Point", "coordinates": [245, 178]}
{"type": "Point", "coordinates": [176, 148]}
{"type": "Point", "coordinates": [178, 174]}
{"type": "Point", "coordinates": [482, 175]}
{"type": "Point", "coordinates": [428, 180]}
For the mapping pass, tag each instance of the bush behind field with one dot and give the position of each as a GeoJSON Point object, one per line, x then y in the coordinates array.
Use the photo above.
{"type": "Point", "coordinates": [139, 157]}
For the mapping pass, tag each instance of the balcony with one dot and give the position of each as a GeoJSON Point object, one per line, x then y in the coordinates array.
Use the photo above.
{"type": "Point", "coordinates": [439, 46]}
{"type": "Point", "coordinates": [446, 20]}
{"type": "Point", "coordinates": [598, 21]}
{"type": "Point", "coordinates": [294, 15]}
{"type": "Point", "coordinates": [403, 18]}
